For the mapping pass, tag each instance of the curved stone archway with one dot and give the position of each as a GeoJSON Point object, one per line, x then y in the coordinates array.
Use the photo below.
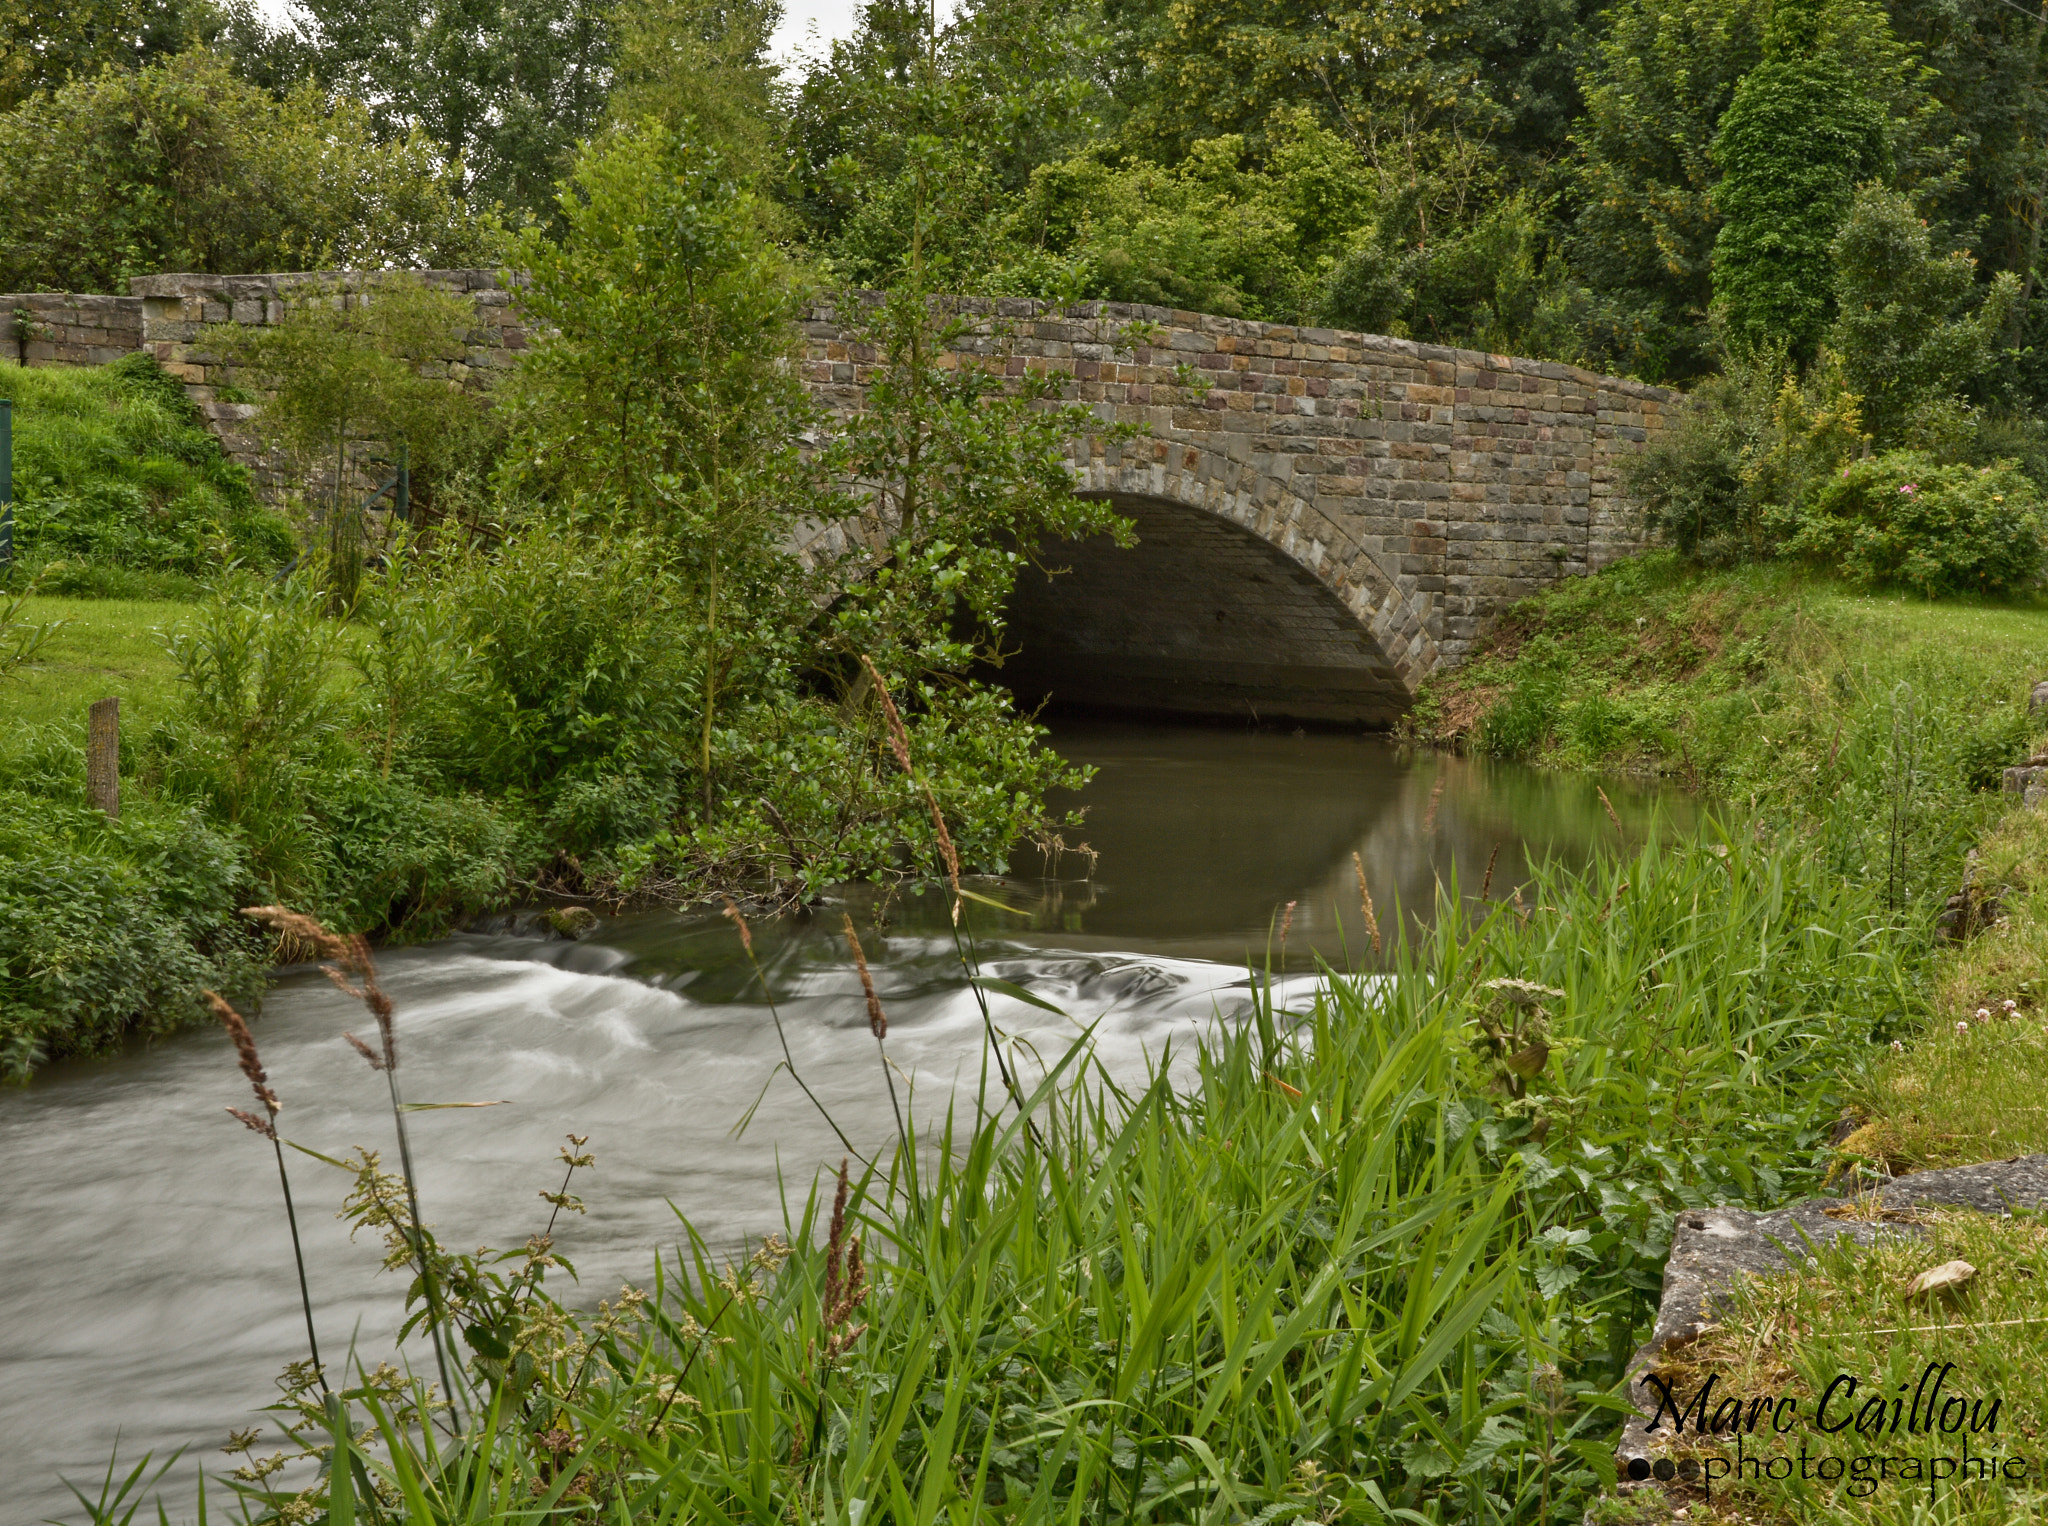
{"type": "Point", "coordinates": [1203, 616]}
{"type": "Point", "coordinates": [1357, 508]}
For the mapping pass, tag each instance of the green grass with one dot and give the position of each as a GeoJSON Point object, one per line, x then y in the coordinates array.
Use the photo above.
{"type": "Point", "coordinates": [1888, 718]}
{"type": "Point", "coordinates": [1792, 1334]}
{"type": "Point", "coordinates": [1756, 683]}
{"type": "Point", "coordinates": [1957, 1095]}
{"type": "Point", "coordinates": [120, 488]}
{"type": "Point", "coordinates": [101, 647]}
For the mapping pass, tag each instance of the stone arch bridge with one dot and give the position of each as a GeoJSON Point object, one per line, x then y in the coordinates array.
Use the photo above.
{"type": "Point", "coordinates": [1324, 518]}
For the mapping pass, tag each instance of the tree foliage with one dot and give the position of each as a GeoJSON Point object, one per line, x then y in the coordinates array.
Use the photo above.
{"type": "Point", "coordinates": [1799, 133]}
{"type": "Point", "coordinates": [46, 44]}
{"type": "Point", "coordinates": [506, 87]}
{"type": "Point", "coordinates": [1914, 329]}
{"type": "Point", "coordinates": [180, 165]}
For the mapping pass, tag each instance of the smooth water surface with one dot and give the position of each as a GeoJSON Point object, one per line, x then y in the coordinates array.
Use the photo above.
{"type": "Point", "coordinates": [150, 1294]}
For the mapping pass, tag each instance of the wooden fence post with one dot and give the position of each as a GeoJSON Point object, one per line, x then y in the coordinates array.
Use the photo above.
{"type": "Point", "coordinates": [103, 756]}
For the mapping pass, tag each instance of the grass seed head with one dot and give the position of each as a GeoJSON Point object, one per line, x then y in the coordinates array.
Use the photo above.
{"type": "Point", "coordinates": [1372, 921]}
{"type": "Point", "coordinates": [746, 932]}
{"type": "Point", "coordinates": [246, 1056]}
{"type": "Point", "coordinates": [878, 1021]}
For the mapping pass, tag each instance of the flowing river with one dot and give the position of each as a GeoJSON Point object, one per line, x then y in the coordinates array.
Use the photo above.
{"type": "Point", "coordinates": [149, 1299]}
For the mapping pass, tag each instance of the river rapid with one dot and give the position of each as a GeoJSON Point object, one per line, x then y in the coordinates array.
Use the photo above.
{"type": "Point", "coordinates": [149, 1299]}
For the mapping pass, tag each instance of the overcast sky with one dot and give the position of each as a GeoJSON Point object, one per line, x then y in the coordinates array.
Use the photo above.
{"type": "Point", "coordinates": [832, 18]}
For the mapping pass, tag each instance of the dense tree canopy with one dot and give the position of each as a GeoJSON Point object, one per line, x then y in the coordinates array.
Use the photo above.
{"type": "Point", "coordinates": [1586, 182]}
{"type": "Point", "coordinates": [181, 165]}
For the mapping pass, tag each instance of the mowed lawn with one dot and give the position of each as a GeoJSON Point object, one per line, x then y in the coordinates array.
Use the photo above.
{"type": "Point", "coordinates": [101, 648]}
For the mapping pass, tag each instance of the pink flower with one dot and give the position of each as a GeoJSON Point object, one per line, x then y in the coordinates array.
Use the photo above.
{"type": "Point", "coordinates": [1910, 487]}
{"type": "Point", "coordinates": [2010, 1005]}
{"type": "Point", "coordinates": [1983, 1014]}
{"type": "Point", "coordinates": [1962, 1027]}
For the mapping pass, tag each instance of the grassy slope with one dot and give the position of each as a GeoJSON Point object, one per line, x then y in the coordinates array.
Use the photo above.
{"type": "Point", "coordinates": [1743, 682]}
{"type": "Point", "coordinates": [102, 647]}
{"type": "Point", "coordinates": [1782, 692]}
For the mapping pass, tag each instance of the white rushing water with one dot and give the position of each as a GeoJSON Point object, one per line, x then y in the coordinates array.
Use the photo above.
{"type": "Point", "coordinates": [150, 1295]}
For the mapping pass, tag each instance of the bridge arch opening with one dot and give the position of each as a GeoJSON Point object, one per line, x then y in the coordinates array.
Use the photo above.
{"type": "Point", "coordinates": [1202, 618]}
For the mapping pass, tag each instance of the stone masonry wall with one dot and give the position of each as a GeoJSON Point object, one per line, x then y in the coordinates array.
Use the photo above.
{"type": "Point", "coordinates": [1425, 488]}
{"type": "Point", "coordinates": [63, 329]}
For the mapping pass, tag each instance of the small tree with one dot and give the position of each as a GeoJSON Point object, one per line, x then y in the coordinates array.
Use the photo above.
{"type": "Point", "coordinates": [960, 474]}
{"type": "Point", "coordinates": [665, 396]}
{"type": "Point", "coordinates": [1913, 328]}
{"type": "Point", "coordinates": [359, 361]}
{"type": "Point", "coordinates": [1801, 131]}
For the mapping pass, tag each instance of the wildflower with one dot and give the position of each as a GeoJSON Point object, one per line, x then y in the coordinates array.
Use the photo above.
{"type": "Point", "coordinates": [1909, 488]}
{"type": "Point", "coordinates": [1962, 1027]}
{"type": "Point", "coordinates": [1983, 1014]}
{"type": "Point", "coordinates": [2010, 1005]}
{"type": "Point", "coordinates": [1897, 1047]}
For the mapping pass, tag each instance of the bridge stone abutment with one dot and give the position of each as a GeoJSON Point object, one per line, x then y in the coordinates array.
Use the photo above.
{"type": "Point", "coordinates": [1325, 518]}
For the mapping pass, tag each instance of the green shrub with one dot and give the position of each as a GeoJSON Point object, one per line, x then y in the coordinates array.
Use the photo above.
{"type": "Point", "coordinates": [254, 667]}
{"type": "Point", "coordinates": [1696, 482]}
{"type": "Point", "coordinates": [1523, 719]}
{"type": "Point", "coordinates": [399, 859]}
{"type": "Point", "coordinates": [180, 165]}
{"type": "Point", "coordinates": [1996, 743]}
{"type": "Point", "coordinates": [109, 928]}
{"type": "Point", "coordinates": [578, 660]}
{"type": "Point", "coordinates": [119, 483]}
{"type": "Point", "coordinates": [1915, 328]}
{"type": "Point", "coordinates": [1902, 518]}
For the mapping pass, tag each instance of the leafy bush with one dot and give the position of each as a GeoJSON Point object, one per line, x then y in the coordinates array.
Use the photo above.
{"type": "Point", "coordinates": [1902, 518]}
{"type": "Point", "coordinates": [1914, 329]}
{"type": "Point", "coordinates": [116, 472]}
{"type": "Point", "coordinates": [373, 837]}
{"type": "Point", "coordinates": [1697, 482]}
{"type": "Point", "coordinates": [180, 165]}
{"type": "Point", "coordinates": [577, 660]}
{"type": "Point", "coordinates": [1996, 743]}
{"type": "Point", "coordinates": [1206, 234]}
{"type": "Point", "coordinates": [254, 668]}
{"type": "Point", "coordinates": [403, 859]}
{"type": "Point", "coordinates": [109, 928]}
{"type": "Point", "coordinates": [1522, 720]}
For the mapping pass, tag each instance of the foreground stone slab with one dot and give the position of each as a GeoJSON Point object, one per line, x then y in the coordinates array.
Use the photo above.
{"type": "Point", "coordinates": [1713, 1249]}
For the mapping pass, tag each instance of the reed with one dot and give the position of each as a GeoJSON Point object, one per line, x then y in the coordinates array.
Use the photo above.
{"type": "Point", "coordinates": [352, 969]}
{"type": "Point", "coordinates": [878, 1025]}
{"type": "Point", "coordinates": [259, 1082]}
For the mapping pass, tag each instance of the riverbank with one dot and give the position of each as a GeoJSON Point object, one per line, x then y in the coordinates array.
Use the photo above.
{"type": "Point", "coordinates": [1876, 726]}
